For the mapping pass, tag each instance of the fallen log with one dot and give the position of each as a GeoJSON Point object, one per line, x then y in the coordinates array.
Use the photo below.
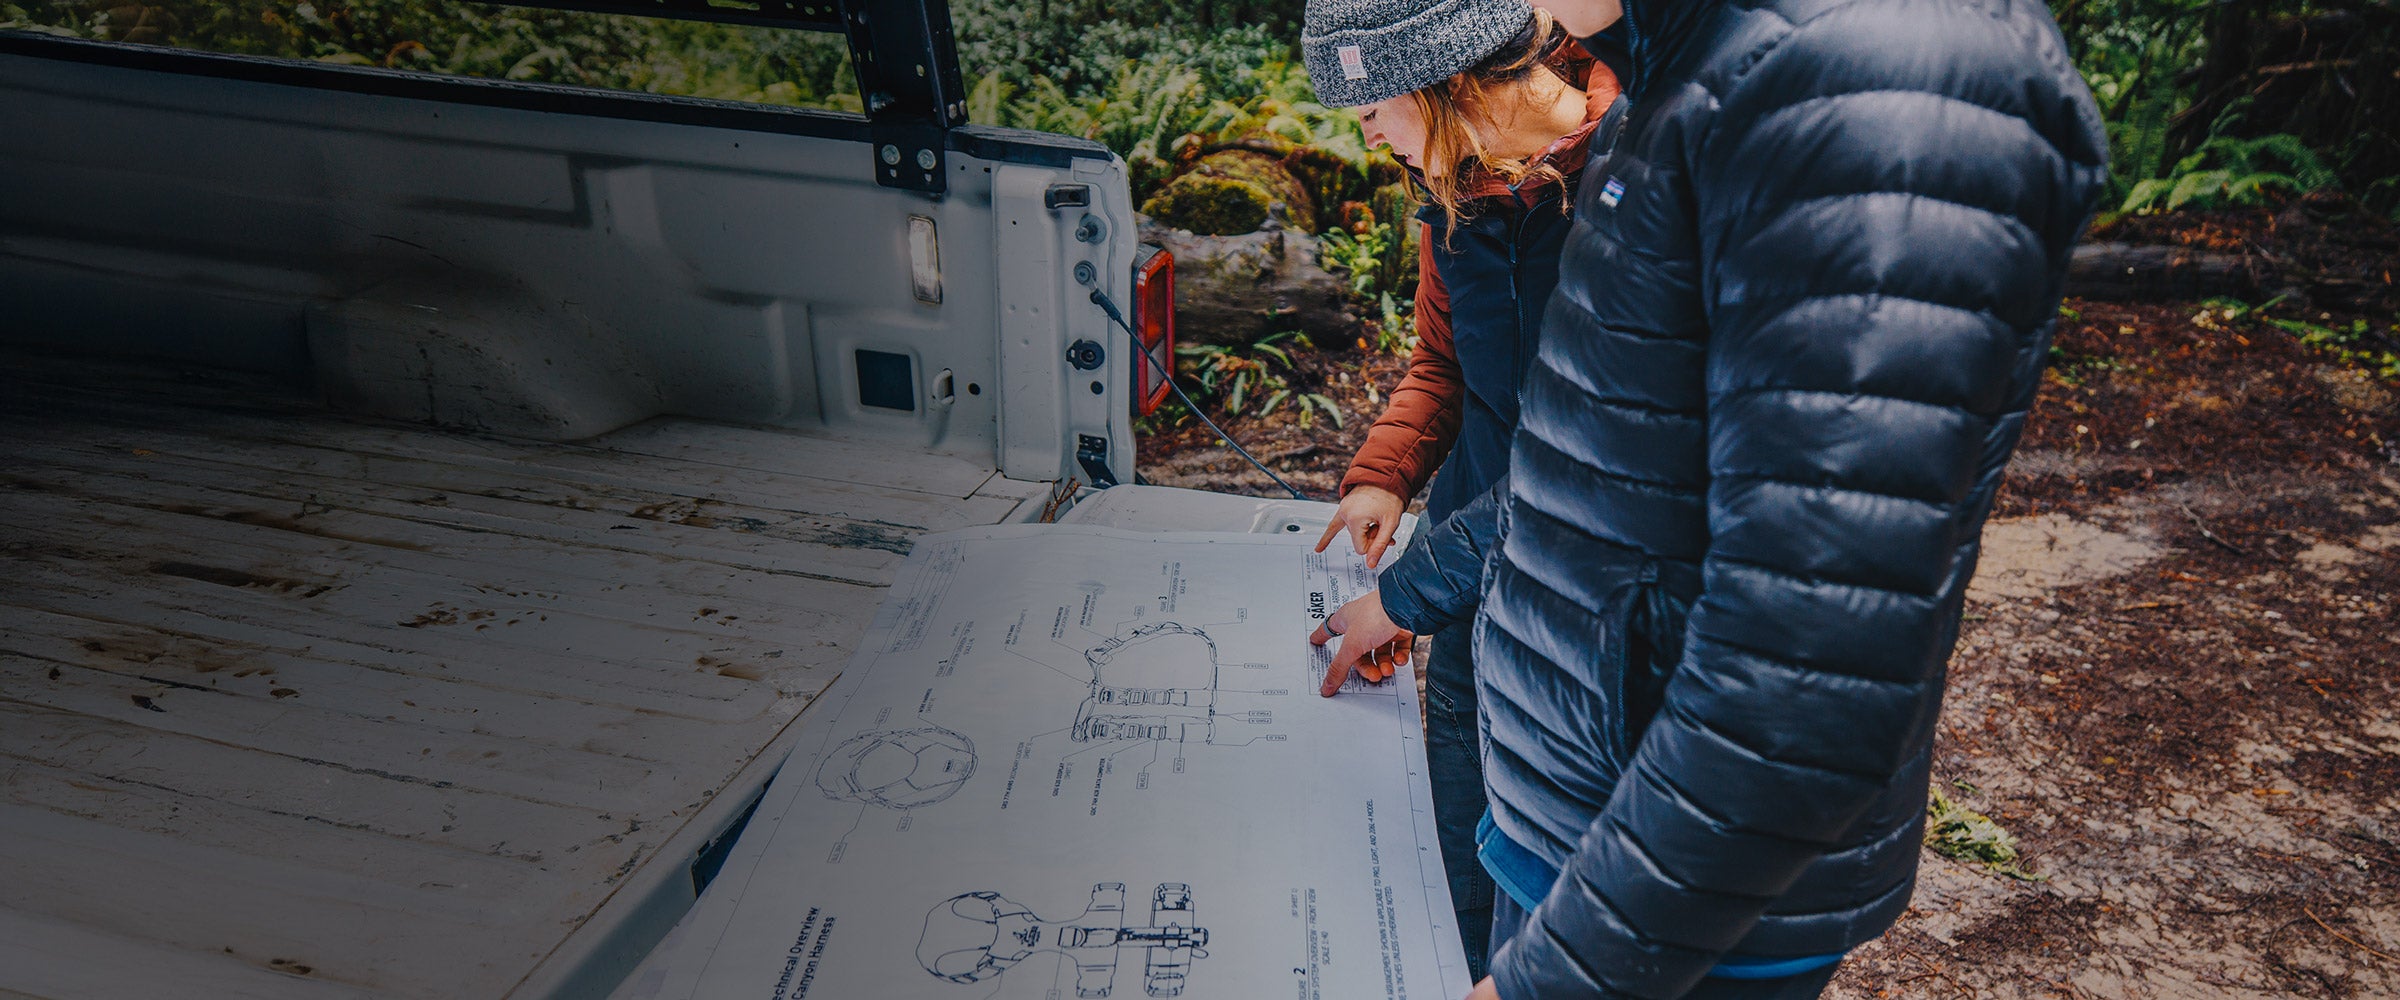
{"type": "Point", "coordinates": [2124, 272]}
{"type": "Point", "coordinates": [2128, 272]}
{"type": "Point", "coordinates": [1236, 289]}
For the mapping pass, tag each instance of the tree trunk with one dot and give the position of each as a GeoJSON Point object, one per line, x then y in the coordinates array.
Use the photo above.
{"type": "Point", "coordinates": [1236, 289]}
{"type": "Point", "coordinates": [2231, 27]}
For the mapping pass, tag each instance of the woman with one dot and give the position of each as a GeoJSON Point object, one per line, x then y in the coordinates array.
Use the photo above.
{"type": "Point", "coordinates": [1493, 109]}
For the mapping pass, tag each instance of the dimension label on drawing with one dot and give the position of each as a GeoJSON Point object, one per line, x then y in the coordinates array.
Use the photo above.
{"type": "Point", "coordinates": [1076, 762]}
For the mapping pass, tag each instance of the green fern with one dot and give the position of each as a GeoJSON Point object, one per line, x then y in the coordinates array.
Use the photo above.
{"type": "Point", "coordinates": [1363, 255]}
{"type": "Point", "coordinates": [2229, 171]}
{"type": "Point", "coordinates": [1257, 373]}
{"type": "Point", "coordinates": [988, 101]}
{"type": "Point", "coordinates": [1134, 116]}
{"type": "Point", "coordinates": [2308, 171]}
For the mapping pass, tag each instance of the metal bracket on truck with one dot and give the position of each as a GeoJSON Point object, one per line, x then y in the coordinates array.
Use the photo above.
{"type": "Point", "coordinates": [904, 52]}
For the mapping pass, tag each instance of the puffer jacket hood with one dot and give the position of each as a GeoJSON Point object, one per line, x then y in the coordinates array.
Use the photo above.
{"type": "Point", "coordinates": [1801, 314]}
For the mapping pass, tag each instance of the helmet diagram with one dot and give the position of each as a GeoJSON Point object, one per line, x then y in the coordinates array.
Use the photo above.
{"type": "Point", "coordinates": [898, 769]}
{"type": "Point", "coordinates": [977, 937]}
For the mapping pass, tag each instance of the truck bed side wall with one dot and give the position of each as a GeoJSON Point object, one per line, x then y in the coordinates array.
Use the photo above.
{"type": "Point", "coordinates": [469, 254]}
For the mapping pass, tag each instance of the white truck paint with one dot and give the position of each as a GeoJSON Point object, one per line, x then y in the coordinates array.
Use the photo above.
{"type": "Point", "coordinates": [425, 505]}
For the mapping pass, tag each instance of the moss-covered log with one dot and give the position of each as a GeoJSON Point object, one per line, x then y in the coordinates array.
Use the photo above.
{"type": "Point", "coordinates": [1231, 191]}
{"type": "Point", "coordinates": [1236, 289]}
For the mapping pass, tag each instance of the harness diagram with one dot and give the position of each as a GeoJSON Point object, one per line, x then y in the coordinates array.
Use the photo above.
{"type": "Point", "coordinates": [1159, 683]}
{"type": "Point", "coordinates": [978, 936]}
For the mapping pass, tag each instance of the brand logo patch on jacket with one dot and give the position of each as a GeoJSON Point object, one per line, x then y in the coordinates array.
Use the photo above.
{"type": "Point", "coordinates": [1354, 66]}
{"type": "Point", "coordinates": [1612, 192]}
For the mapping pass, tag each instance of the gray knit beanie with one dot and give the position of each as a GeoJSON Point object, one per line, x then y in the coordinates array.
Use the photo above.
{"type": "Point", "coordinates": [1363, 51]}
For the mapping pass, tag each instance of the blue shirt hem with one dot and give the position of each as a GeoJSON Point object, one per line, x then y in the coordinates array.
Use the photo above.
{"type": "Point", "coordinates": [1527, 878]}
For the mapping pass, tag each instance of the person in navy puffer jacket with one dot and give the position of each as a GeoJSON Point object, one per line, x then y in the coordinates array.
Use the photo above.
{"type": "Point", "coordinates": [1800, 317]}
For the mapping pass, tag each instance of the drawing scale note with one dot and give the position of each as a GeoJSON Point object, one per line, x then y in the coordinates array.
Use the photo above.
{"type": "Point", "coordinates": [1076, 762]}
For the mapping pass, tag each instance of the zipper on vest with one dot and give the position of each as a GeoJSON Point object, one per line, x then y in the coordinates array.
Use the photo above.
{"type": "Point", "coordinates": [1637, 46]}
{"type": "Point", "coordinates": [1516, 297]}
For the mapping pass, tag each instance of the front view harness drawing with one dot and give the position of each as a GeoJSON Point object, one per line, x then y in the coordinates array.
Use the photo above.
{"type": "Point", "coordinates": [977, 936]}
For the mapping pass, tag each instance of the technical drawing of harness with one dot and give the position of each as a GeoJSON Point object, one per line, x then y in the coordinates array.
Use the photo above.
{"type": "Point", "coordinates": [977, 936]}
{"type": "Point", "coordinates": [1157, 683]}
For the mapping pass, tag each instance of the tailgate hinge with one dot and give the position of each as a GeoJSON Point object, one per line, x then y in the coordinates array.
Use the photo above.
{"type": "Point", "coordinates": [1091, 452]}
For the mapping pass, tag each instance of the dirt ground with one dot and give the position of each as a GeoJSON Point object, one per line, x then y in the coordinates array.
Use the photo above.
{"type": "Point", "coordinates": [2178, 684]}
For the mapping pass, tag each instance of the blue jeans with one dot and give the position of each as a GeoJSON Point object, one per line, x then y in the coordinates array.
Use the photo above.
{"type": "Point", "coordinates": [1454, 760]}
{"type": "Point", "coordinates": [1508, 918]}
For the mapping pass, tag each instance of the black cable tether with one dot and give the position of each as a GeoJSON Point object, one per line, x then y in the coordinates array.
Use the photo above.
{"type": "Point", "coordinates": [1101, 299]}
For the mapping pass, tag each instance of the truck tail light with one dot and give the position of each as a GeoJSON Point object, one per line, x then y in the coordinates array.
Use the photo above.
{"type": "Point", "coordinates": [1154, 323]}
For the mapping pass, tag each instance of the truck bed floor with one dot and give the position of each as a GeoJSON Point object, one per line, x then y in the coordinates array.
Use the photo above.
{"type": "Point", "coordinates": [299, 705]}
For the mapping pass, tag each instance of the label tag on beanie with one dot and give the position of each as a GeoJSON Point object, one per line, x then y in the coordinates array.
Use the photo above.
{"type": "Point", "coordinates": [1353, 66]}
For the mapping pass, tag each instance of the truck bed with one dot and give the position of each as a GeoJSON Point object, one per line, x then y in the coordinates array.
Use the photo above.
{"type": "Point", "coordinates": [294, 704]}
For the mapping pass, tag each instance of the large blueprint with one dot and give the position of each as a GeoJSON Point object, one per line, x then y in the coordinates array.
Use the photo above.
{"type": "Point", "coordinates": [1074, 762]}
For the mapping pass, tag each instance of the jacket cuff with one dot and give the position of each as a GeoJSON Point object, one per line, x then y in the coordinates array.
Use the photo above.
{"type": "Point", "coordinates": [1360, 475]}
{"type": "Point", "coordinates": [1417, 594]}
{"type": "Point", "coordinates": [1439, 580]}
{"type": "Point", "coordinates": [1403, 602]}
{"type": "Point", "coordinates": [1532, 966]}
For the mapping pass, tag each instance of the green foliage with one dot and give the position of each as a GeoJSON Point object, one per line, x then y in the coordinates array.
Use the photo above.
{"type": "Point", "coordinates": [2229, 171]}
{"type": "Point", "coordinates": [2356, 343]}
{"type": "Point", "coordinates": [1174, 107]}
{"type": "Point", "coordinates": [1135, 77]}
{"type": "Point", "coordinates": [1312, 404]}
{"type": "Point", "coordinates": [1082, 45]}
{"type": "Point", "coordinates": [1176, 111]}
{"type": "Point", "coordinates": [1396, 329]}
{"type": "Point", "coordinates": [1272, 178]}
{"type": "Point", "coordinates": [1274, 100]}
{"type": "Point", "coordinates": [1962, 834]}
{"type": "Point", "coordinates": [2133, 54]}
{"type": "Point", "coordinates": [1143, 106]}
{"type": "Point", "coordinates": [2384, 191]}
{"type": "Point", "coordinates": [1369, 259]}
{"type": "Point", "coordinates": [1272, 109]}
{"type": "Point", "coordinates": [2211, 103]}
{"type": "Point", "coordinates": [1396, 203]}
{"type": "Point", "coordinates": [1257, 372]}
{"type": "Point", "coordinates": [1274, 105]}
{"type": "Point", "coordinates": [1210, 206]}
{"type": "Point", "coordinates": [1363, 255]}
{"type": "Point", "coordinates": [16, 17]}
{"type": "Point", "coordinates": [2075, 371]}
{"type": "Point", "coordinates": [1170, 414]}
{"type": "Point", "coordinates": [729, 62]}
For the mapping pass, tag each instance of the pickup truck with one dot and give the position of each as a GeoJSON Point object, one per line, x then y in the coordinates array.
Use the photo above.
{"type": "Point", "coordinates": [428, 502]}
